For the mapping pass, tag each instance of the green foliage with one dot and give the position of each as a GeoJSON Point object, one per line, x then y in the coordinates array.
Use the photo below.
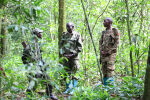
{"type": "Point", "coordinates": [124, 88]}
{"type": "Point", "coordinates": [24, 15]}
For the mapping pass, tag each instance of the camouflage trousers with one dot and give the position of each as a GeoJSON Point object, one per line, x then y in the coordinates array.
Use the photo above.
{"type": "Point", "coordinates": [71, 66]}
{"type": "Point", "coordinates": [108, 66]}
{"type": "Point", "coordinates": [35, 79]}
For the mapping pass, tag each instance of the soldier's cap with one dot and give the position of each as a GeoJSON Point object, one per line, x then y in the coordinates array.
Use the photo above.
{"type": "Point", "coordinates": [70, 23]}
{"type": "Point", "coordinates": [37, 30]}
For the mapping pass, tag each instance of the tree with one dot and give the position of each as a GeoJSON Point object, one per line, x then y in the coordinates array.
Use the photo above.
{"type": "Point", "coordinates": [62, 19]}
{"type": "Point", "coordinates": [2, 38]}
{"type": "Point", "coordinates": [129, 35]}
{"type": "Point", "coordinates": [147, 79]}
{"type": "Point", "coordinates": [2, 30]}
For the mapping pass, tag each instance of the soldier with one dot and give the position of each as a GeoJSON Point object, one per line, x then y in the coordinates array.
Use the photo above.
{"type": "Point", "coordinates": [32, 58]}
{"type": "Point", "coordinates": [108, 49]}
{"type": "Point", "coordinates": [70, 46]}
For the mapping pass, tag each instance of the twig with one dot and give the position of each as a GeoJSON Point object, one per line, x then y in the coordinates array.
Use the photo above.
{"type": "Point", "coordinates": [139, 58]}
{"type": "Point", "coordinates": [100, 15]}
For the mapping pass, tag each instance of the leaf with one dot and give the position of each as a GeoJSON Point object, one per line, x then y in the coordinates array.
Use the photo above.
{"type": "Point", "coordinates": [57, 87]}
{"type": "Point", "coordinates": [38, 8]}
{"type": "Point", "coordinates": [132, 47]}
{"type": "Point", "coordinates": [31, 11]}
{"type": "Point", "coordinates": [40, 63]}
{"type": "Point", "coordinates": [23, 30]}
{"type": "Point", "coordinates": [27, 14]}
{"type": "Point", "coordinates": [38, 2]}
{"type": "Point", "coordinates": [10, 28]}
{"type": "Point", "coordinates": [47, 11]}
{"type": "Point", "coordinates": [34, 13]}
{"type": "Point", "coordinates": [31, 84]}
{"type": "Point", "coordinates": [16, 28]}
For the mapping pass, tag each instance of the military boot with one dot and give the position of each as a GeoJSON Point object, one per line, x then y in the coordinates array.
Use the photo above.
{"type": "Point", "coordinates": [68, 87]}
{"type": "Point", "coordinates": [49, 92]}
{"type": "Point", "coordinates": [75, 83]}
{"type": "Point", "coordinates": [108, 80]}
{"type": "Point", "coordinates": [31, 88]}
{"type": "Point", "coordinates": [29, 92]}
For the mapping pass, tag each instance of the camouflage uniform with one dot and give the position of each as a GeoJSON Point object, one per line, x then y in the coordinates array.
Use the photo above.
{"type": "Point", "coordinates": [71, 44]}
{"type": "Point", "coordinates": [32, 58]}
{"type": "Point", "coordinates": [108, 43]}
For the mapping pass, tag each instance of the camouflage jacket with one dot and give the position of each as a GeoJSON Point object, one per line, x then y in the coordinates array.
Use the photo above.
{"type": "Point", "coordinates": [32, 53]}
{"type": "Point", "coordinates": [27, 56]}
{"type": "Point", "coordinates": [109, 41]}
{"type": "Point", "coordinates": [71, 43]}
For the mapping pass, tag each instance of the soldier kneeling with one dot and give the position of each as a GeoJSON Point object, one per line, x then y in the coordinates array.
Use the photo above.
{"type": "Point", "coordinates": [32, 58]}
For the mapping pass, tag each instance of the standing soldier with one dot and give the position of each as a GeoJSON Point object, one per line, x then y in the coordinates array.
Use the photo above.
{"type": "Point", "coordinates": [70, 46]}
{"type": "Point", "coordinates": [32, 58]}
{"type": "Point", "coordinates": [108, 49]}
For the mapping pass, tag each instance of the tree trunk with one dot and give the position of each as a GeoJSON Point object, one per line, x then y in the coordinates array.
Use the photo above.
{"type": "Point", "coordinates": [62, 19]}
{"type": "Point", "coordinates": [147, 79]}
{"type": "Point", "coordinates": [1, 7]}
{"type": "Point", "coordinates": [3, 34]}
{"type": "Point", "coordinates": [3, 37]}
{"type": "Point", "coordinates": [3, 30]}
{"type": "Point", "coordinates": [129, 35]}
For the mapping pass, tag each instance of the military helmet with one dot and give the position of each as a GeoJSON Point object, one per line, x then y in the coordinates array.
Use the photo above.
{"type": "Point", "coordinates": [37, 30]}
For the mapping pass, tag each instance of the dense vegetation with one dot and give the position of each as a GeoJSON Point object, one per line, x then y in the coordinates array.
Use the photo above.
{"type": "Point", "coordinates": [131, 17]}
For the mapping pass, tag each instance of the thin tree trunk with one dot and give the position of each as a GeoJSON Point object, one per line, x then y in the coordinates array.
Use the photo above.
{"type": "Point", "coordinates": [129, 35]}
{"type": "Point", "coordinates": [1, 7]}
{"type": "Point", "coordinates": [4, 37]}
{"type": "Point", "coordinates": [3, 30]}
{"type": "Point", "coordinates": [62, 19]}
{"type": "Point", "coordinates": [87, 23]}
{"type": "Point", "coordinates": [147, 79]}
{"type": "Point", "coordinates": [3, 34]}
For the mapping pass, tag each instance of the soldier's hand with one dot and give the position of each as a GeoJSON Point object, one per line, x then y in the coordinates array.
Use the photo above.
{"type": "Point", "coordinates": [112, 51]}
{"type": "Point", "coordinates": [103, 52]}
{"type": "Point", "coordinates": [100, 60]}
{"type": "Point", "coordinates": [115, 50]}
{"type": "Point", "coordinates": [24, 44]}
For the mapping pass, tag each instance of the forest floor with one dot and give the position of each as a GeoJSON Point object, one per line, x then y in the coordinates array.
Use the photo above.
{"type": "Point", "coordinates": [65, 96]}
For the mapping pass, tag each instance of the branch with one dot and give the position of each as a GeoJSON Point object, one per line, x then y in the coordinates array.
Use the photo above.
{"type": "Point", "coordinates": [100, 15]}
{"type": "Point", "coordinates": [92, 41]}
{"type": "Point", "coordinates": [139, 57]}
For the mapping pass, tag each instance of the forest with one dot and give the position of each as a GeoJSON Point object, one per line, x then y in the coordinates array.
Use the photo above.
{"type": "Point", "coordinates": [18, 19]}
